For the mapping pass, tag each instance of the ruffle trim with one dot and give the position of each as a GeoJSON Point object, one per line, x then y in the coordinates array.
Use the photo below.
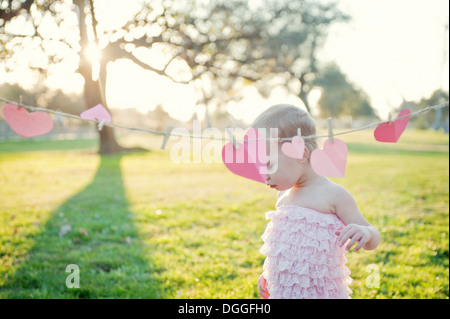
{"type": "Point", "coordinates": [292, 230]}
{"type": "Point", "coordinates": [285, 259]}
{"type": "Point", "coordinates": [295, 212]}
{"type": "Point", "coordinates": [307, 275]}
{"type": "Point", "coordinates": [304, 259]}
{"type": "Point", "coordinates": [299, 292]}
{"type": "Point", "coordinates": [300, 234]}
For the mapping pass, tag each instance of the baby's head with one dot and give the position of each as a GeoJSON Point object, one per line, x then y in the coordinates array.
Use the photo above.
{"type": "Point", "coordinates": [287, 119]}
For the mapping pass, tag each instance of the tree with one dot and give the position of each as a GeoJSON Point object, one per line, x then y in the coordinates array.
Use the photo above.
{"type": "Point", "coordinates": [198, 39]}
{"type": "Point", "coordinates": [434, 119]}
{"type": "Point", "coordinates": [68, 103]}
{"type": "Point", "coordinates": [291, 36]}
{"type": "Point", "coordinates": [161, 116]}
{"type": "Point", "coordinates": [340, 97]}
{"type": "Point", "coordinates": [56, 48]}
{"type": "Point", "coordinates": [11, 92]}
{"type": "Point", "coordinates": [206, 43]}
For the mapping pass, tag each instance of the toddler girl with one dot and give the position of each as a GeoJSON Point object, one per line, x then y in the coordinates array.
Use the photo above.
{"type": "Point", "coordinates": [315, 222]}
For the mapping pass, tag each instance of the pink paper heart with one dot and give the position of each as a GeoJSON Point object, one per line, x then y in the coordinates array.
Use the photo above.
{"type": "Point", "coordinates": [27, 124]}
{"type": "Point", "coordinates": [98, 113]}
{"type": "Point", "coordinates": [249, 160]}
{"type": "Point", "coordinates": [390, 133]}
{"type": "Point", "coordinates": [295, 148]}
{"type": "Point", "coordinates": [332, 160]}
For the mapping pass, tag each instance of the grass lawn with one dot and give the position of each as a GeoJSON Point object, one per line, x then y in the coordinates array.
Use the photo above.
{"type": "Point", "coordinates": [141, 226]}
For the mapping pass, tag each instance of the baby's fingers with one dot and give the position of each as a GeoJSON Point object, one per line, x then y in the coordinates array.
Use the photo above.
{"type": "Point", "coordinates": [361, 243]}
{"type": "Point", "coordinates": [354, 239]}
{"type": "Point", "coordinates": [345, 234]}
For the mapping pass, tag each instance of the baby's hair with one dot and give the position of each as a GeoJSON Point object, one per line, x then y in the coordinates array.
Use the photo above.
{"type": "Point", "coordinates": [288, 119]}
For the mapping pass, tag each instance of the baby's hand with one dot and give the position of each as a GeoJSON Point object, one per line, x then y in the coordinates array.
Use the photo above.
{"type": "Point", "coordinates": [262, 287]}
{"type": "Point", "coordinates": [356, 233]}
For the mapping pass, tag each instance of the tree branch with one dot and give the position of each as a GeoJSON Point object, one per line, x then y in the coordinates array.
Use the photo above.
{"type": "Point", "coordinates": [115, 52]}
{"type": "Point", "coordinates": [8, 13]}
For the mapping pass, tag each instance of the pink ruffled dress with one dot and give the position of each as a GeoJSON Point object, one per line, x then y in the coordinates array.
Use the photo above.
{"type": "Point", "coordinates": [303, 257]}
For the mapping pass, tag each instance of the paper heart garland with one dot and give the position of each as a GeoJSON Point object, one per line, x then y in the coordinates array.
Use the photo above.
{"type": "Point", "coordinates": [98, 113]}
{"type": "Point", "coordinates": [249, 160]}
{"type": "Point", "coordinates": [295, 148]}
{"type": "Point", "coordinates": [27, 124]}
{"type": "Point", "coordinates": [391, 132]}
{"type": "Point", "coordinates": [332, 160]}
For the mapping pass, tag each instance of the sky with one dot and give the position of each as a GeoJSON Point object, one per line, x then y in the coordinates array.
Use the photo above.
{"type": "Point", "coordinates": [390, 49]}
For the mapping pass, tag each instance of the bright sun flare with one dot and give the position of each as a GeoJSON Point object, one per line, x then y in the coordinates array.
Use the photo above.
{"type": "Point", "coordinates": [93, 53]}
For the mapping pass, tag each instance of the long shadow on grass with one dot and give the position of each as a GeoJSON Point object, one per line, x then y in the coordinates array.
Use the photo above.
{"type": "Point", "coordinates": [93, 230]}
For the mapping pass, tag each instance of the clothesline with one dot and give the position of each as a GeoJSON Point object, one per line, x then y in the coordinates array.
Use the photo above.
{"type": "Point", "coordinates": [166, 133]}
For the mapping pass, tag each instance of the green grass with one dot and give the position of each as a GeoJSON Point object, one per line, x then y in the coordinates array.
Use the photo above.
{"type": "Point", "coordinates": [144, 227]}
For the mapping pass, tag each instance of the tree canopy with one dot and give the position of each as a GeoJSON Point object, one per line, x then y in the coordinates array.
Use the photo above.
{"type": "Point", "coordinates": [340, 96]}
{"type": "Point", "coordinates": [215, 44]}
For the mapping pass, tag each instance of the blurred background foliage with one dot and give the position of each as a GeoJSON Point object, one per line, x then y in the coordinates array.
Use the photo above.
{"type": "Point", "coordinates": [218, 46]}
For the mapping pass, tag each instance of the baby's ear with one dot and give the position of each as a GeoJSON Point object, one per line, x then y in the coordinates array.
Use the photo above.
{"type": "Point", "coordinates": [306, 155]}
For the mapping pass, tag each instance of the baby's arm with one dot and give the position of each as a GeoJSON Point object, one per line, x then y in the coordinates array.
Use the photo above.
{"type": "Point", "coordinates": [357, 228]}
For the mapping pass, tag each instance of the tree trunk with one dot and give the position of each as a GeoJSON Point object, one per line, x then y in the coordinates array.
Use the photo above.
{"type": "Point", "coordinates": [93, 94]}
{"type": "Point", "coordinates": [303, 95]}
{"type": "Point", "coordinates": [92, 97]}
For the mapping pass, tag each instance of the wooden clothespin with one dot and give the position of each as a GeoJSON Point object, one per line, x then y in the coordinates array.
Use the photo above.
{"type": "Point", "coordinates": [169, 129]}
{"type": "Point", "coordinates": [229, 131]}
{"type": "Point", "coordinates": [330, 130]}
{"type": "Point", "coordinates": [20, 101]}
{"type": "Point", "coordinates": [100, 125]}
{"type": "Point", "coordinates": [389, 119]}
